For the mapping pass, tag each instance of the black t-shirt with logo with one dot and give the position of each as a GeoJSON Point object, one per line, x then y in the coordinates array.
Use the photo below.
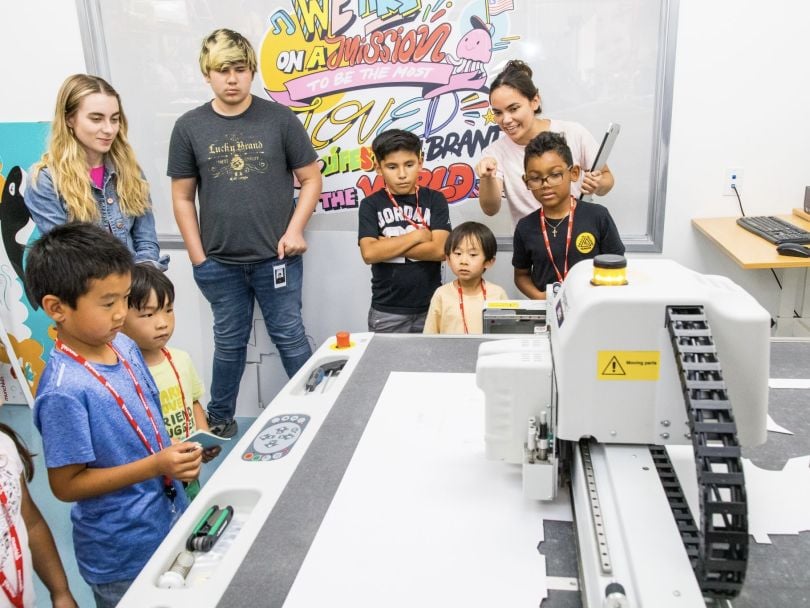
{"type": "Point", "coordinates": [400, 285]}
{"type": "Point", "coordinates": [593, 233]}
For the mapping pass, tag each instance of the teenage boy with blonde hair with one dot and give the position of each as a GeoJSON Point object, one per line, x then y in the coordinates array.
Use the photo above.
{"type": "Point", "coordinates": [238, 154]}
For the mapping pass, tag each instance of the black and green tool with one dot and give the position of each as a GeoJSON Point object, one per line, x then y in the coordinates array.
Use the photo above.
{"type": "Point", "coordinates": [209, 528]}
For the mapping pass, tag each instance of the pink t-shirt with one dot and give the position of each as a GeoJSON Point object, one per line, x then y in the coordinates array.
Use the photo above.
{"type": "Point", "coordinates": [520, 200]}
{"type": "Point", "coordinates": [97, 176]}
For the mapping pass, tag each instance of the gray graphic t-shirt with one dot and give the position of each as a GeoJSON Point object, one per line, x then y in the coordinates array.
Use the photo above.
{"type": "Point", "coordinates": [243, 165]}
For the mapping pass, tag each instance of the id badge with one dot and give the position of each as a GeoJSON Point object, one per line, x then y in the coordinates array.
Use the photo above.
{"type": "Point", "coordinates": [280, 276]}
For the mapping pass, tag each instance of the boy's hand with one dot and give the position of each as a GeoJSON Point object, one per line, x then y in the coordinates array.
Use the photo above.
{"type": "Point", "coordinates": [291, 243]}
{"type": "Point", "coordinates": [486, 167]}
{"type": "Point", "coordinates": [180, 461]}
{"type": "Point", "coordinates": [424, 235]}
{"type": "Point", "coordinates": [591, 181]}
{"type": "Point", "coordinates": [211, 453]}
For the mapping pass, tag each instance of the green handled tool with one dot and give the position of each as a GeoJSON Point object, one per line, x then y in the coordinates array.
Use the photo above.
{"type": "Point", "coordinates": [209, 528]}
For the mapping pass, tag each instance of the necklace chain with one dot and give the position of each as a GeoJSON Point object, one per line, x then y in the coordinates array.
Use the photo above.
{"type": "Point", "coordinates": [557, 225]}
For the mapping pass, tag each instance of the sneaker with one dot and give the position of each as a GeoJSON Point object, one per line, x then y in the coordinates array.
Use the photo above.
{"type": "Point", "coordinates": [226, 429]}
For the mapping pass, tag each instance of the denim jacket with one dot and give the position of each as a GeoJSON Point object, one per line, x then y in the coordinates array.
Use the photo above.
{"type": "Point", "coordinates": [48, 210]}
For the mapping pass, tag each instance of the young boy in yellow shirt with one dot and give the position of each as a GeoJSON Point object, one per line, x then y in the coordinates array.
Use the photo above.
{"type": "Point", "coordinates": [150, 323]}
{"type": "Point", "coordinates": [457, 307]}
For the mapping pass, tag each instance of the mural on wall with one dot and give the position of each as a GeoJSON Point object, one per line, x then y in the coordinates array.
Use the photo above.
{"type": "Point", "coordinates": [29, 330]}
{"type": "Point", "coordinates": [354, 68]}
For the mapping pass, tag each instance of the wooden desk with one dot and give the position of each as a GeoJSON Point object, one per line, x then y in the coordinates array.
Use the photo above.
{"type": "Point", "coordinates": [751, 252]}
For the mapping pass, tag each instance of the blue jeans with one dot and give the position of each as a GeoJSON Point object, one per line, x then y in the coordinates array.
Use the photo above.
{"type": "Point", "coordinates": [231, 290]}
{"type": "Point", "coordinates": [107, 595]}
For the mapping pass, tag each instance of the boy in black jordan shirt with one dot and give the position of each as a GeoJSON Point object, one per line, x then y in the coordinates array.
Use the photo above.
{"type": "Point", "coordinates": [401, 234]}
{"type": "Point", "coordinates": [549, 241]}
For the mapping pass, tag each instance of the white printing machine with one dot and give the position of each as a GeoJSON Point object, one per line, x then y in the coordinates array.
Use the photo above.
{"type": "Point", "coordinates": [670, 358]}
{"type": "Point", "coordinates": [673, 357]}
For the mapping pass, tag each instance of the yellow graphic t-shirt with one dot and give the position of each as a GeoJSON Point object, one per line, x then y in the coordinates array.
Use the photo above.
{"type": "Point", "coordinates": [171, 403]}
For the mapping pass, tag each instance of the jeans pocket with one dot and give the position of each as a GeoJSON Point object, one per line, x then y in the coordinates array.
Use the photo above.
{"type": "Point", "coordinates": [205, 270]}
{"type": "Point", "coordinates": [205, 273]}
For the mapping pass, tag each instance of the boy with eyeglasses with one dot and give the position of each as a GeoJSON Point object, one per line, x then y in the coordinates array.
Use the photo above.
{"type": "Point", "coordinates": [564, 231]}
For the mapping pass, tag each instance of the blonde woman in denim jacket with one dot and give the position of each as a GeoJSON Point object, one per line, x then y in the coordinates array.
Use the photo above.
{"type": "Point", "coordinates": [89, 172]}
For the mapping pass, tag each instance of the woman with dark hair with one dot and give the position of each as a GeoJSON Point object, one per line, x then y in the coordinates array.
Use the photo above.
{"type": "Point", "coordinates": [515, 102]}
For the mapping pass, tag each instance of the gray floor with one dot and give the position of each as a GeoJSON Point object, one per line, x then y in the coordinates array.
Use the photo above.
{"type": "Point", "coordinates": [784, 582]}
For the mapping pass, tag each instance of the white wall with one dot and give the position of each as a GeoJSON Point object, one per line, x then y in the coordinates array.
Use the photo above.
{"type": "Point", "coordinates": [741, 99]}
{"type": "Point", "coordinates": [40, 47]}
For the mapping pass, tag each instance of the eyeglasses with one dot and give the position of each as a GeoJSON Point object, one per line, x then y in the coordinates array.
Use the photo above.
{"type": "Point", "coordinates": [535, 183]}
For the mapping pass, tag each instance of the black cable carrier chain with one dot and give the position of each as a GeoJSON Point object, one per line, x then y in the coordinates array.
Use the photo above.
{"type": "Point", "coordinates": [718, 550]}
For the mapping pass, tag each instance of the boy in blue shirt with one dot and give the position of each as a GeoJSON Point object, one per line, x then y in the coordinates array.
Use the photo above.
{"type": "Point", "coordinates": [402, 230]}
{"type": "Point", "coordinates": [98, 411]}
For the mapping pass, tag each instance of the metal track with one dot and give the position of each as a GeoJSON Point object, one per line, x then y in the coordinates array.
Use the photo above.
{"type": "Point", "coordinates": [718, 549]}
{"type": "Point", "coordinates": [596, 509]}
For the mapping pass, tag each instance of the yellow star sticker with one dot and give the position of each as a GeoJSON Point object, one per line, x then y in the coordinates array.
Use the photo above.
{"type": "Point", "coordinates": [489, 117]}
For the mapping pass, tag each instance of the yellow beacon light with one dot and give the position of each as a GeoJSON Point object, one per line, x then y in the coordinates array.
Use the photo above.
{"type": "Point", "coordinates": [609, 269]}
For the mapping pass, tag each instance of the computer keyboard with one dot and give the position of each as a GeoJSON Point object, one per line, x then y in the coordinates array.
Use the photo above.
{"type": "Point", "coordinates": [774, 229]}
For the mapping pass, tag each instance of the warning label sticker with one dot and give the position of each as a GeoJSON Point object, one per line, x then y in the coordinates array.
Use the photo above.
{"type": "Point", "coordinates": [628, 364]}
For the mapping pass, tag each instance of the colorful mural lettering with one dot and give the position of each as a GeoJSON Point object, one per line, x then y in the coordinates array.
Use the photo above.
{"type": "Point", "coordinates": [30, 331]}
{"type": "Point", "coordinates": [353, 68]}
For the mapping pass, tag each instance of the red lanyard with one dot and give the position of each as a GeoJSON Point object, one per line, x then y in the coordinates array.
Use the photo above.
{"type": "Point", "coordinates": [168, 356]}
{"type": "Point", "coordinates": [15, 598]}
{"type": "Point", "coordinates": [416, 212]}
{"type": "Point", "coordinates": [461, 302]}
{"type": "Point", "coordinates": [168, 487]}
{"type": "Point", "coordinates": [562, 276]}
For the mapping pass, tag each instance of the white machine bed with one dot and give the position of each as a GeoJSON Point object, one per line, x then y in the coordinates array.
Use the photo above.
{"type": "Point", "coordinates": [467, 532]}
{"type": "Point", "coordinates": [265, 571]}
{"type": "Point", "coordinates": [376, 492]}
